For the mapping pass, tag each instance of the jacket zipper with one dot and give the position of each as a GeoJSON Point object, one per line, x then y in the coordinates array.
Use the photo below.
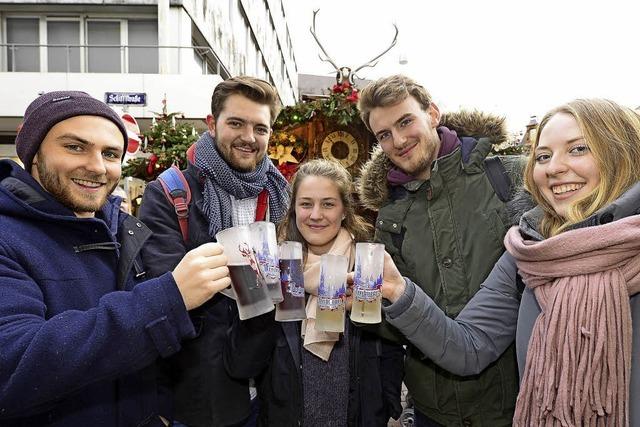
{"type": "Point", "coordinates": [434, 232]}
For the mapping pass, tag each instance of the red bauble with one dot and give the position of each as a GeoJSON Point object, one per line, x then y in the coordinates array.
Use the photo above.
{"type": "Point", "coordinates": [152, 163]}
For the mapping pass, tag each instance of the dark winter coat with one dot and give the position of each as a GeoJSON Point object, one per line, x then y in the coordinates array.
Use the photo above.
{"type": "Point", "coordinates": [204, 394]}
{"type": "Point", "coordinates": [79, 331]}
{"type": "Point", "coordinates": [445, 234]}
{"type": "Point", "coordinates": [375, 370]}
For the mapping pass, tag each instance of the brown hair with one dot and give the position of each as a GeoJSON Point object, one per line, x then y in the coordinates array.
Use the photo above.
{"type": "Point", "coordinates": [353, 223]}
{"type": "Point", "coordinates": [612, 133]}
{"type": "Point", "coordinates": [390, 91]}
{"type": "Point", "coordinates": [252, 88]}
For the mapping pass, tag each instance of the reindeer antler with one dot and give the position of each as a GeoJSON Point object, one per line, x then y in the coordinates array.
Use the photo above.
{"type": "Point", "coordinates": [327, 58]}
{"type": "Point", "coordinates": [244, 250]}
{"type": "Point", "coordinates": [371, 62]}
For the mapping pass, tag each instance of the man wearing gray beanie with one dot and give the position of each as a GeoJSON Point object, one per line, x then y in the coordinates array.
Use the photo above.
{"type": "Point", "coordinates": [80, 327]}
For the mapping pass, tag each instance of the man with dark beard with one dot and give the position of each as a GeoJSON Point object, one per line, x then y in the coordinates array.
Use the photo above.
{"type": "Point", "coordinates": [229, 178]}
{"type": "Point", "coordinates": [80, 327]}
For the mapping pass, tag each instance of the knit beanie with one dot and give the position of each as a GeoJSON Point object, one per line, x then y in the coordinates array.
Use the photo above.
{"type": "Point", "coordinates": [53, 107]}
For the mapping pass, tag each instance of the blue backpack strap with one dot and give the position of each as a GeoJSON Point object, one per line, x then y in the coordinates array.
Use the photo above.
{"type": "Point", "coordinates": [177, 190]}
{"type": "Point", "coordinates": [506, 174]}
{"type": "Point", "coordinates": [499, 178]}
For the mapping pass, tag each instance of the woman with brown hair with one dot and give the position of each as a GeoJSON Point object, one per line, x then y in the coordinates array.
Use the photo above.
{"type": "Point", "coordinates": [317, 378]}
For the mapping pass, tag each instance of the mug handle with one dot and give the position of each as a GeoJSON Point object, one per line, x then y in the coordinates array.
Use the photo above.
{"type": "Point", "coordinates": [229, 293]}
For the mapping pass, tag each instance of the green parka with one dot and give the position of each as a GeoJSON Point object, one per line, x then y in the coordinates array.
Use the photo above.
{"type": "Point", "coordinates": [446, 234]}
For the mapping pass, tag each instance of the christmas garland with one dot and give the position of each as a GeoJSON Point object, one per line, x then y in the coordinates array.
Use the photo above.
{"type": "Point", "coordinates": [167, 141]}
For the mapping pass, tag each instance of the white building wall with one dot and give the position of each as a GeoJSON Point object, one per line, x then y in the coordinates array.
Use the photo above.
{"type": "Point", "coordinates": [244, 36]}
{"type": "Point", "coordinates": [240, 29]}
{"type": "Point", "coordinates": [193, 99]}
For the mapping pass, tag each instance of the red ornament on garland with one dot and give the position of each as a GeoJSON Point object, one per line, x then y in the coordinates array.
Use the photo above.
{"type": "Point", "coordinates": [152, 163]}
{"type": "Point", "coordinates": [353, 97]}
{"type": "Point", "coordinates": [288, 169]}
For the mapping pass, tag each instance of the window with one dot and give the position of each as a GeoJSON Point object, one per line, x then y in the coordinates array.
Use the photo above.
{"type": "Point", "coordinates": [143, 59]}
{"type": "Point", "coordinates": [105, 59]}
{"type": "Point", "coordinates": [64, 58]}
{"type": "Point", "coordinates": [22, 32]}
{"type": "Point", "coordinates": [77, 44]}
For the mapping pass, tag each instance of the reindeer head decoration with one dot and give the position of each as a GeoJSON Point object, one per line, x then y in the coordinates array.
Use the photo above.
{"type": "Point", "coordinates": [345, 74]}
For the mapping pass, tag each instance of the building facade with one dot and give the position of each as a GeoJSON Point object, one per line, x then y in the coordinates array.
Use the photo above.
{"type": "Point", "coordinates": [139, 52]}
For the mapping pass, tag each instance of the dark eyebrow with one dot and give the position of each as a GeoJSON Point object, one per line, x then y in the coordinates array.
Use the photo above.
{"type": "Point", "coordinates": [323, 199]}
{"type": "Point", "coordinates": [238, 119]}
{"type": "Point", "coordinates": [75, 138]}
{"type": "Point", "coordinates": [404, 116]}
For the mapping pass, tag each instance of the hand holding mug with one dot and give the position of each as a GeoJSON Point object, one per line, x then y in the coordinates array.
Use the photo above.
{"type": "Point", "coordinates": [393, 283]}
{"type": "Point", "coordinates": [201, 274]}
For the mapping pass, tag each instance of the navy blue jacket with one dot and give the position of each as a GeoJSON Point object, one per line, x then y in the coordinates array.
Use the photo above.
{"type": "Point", "coordinates": [79, 331]}
{"type": "Point", "coordinates": [204, 394]}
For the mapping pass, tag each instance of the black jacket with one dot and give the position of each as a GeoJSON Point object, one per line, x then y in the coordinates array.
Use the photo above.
{"type": "Point", "coordinates": [271, 352]}
{"type": "Point", "coordinates": [204, 394]}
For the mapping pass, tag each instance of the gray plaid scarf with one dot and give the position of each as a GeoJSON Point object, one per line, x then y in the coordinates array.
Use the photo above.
{"type": "Point", "coordinates": [221, 181]}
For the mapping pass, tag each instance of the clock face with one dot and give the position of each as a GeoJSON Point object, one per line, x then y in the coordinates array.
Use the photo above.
{"type": "Point", "coordinates": [340, 146]}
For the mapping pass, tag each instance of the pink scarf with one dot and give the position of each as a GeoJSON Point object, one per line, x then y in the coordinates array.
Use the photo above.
{"type": "Point", "coordinates": [579, 356]}
{"type": "Point", "coordinates": [321, 343]}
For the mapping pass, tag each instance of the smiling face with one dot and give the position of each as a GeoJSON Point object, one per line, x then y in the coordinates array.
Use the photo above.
{"type": "Point", "coordinates": [79, 162]}
{"type": "Point", "coordinates": [407, 135]}
{"type": "Point", "coordinates": [241, 131]}
{"type": "Point", "coordinates": [319, 212]}
{"type": "Point", "coordinates": [565, 171]}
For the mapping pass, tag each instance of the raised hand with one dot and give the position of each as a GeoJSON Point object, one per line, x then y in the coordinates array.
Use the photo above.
{"type": "Point", "coordinates": [393, 283]}
{"type": "Point", "coordinates": [201, 274]}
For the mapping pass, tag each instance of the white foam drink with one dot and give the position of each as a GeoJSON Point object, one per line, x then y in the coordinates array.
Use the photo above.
{"type": "Point", "coordinates": [367, 298]}
{"type": "Point", "coordinates": [331, 293]}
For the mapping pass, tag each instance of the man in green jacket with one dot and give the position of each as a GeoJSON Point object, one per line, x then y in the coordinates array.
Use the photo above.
{"type": "Point", "coordinates": [442, 222]}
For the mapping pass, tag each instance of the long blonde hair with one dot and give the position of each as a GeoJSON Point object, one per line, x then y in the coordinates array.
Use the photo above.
{"type": "Point", "coordinates": [612, 133]}
{"type": "Point", "coordinates": [353, 223]}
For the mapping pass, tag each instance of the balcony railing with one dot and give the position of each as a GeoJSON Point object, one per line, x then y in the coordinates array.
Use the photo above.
{"type": "Point", "coordinates": [82, 58]}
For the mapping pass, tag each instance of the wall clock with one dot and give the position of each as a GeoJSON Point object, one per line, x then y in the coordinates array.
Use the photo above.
{"type": "Point", "coordinates": [340, 146]}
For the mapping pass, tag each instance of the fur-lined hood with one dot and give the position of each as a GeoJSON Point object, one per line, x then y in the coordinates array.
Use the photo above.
{"type": "Point", "coordinates": [372, 184]}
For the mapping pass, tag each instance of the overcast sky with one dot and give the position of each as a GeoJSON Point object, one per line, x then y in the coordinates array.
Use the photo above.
{"type": "Point", "coordinates": [515, 58]}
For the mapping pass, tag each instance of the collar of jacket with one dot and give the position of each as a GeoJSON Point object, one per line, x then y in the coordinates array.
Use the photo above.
{"type": "Point", "coordinates": [372, 185]}
{"type": "Point", "coordinates": [27, 195]}
{"type": "Point", "coordinates": [442, 169]}
{"type": "Point", "coordinates": [626, 205]}
{"type": "Point", "coordinates": [448, 167]}
{"type": "Point", "coordinates": [194, 175]}
{"type": "Point", "coordinates": [21, 195]}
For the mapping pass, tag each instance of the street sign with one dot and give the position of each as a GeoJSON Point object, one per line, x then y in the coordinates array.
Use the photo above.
{"type": "Point", "coordinates": [125, 98]}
